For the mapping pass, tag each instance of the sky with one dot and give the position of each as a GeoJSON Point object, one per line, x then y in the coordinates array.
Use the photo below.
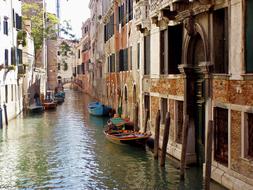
{"type": "Point", "coordinates": [75, 11]}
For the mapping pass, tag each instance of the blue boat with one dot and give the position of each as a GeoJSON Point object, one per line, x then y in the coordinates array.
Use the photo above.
{"type": "Point", "coordinates": [98, 109]}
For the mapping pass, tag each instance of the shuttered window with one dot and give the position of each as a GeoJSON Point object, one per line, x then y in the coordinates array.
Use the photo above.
{"type": "Point", "coordinates": [221, 135]}
{"type": "Point", "coordinates": [6, 57]}
{"type": "Point", "coordinates": [19, 57]}
{"type": "Point", "coordinates": [5, 27]}
{"type": "Point", "coordinates": [18, 22]}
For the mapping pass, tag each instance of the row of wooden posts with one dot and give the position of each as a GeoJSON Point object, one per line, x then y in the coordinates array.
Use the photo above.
{"type": "Point", "coordinates": [208, 158]}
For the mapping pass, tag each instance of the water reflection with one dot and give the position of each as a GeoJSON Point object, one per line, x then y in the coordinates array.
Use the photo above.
{"type": "Point", "coordinates": [66, 149]}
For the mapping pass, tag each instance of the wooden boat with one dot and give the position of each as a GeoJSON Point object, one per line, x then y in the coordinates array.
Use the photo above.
{"type": "Point", "coordinates": [35, 109]}
{"type": "Point", "coordinates": [49, 102]}
{"type": "Point", "coordinates": [98, 109]}
{"type": "Point", "coordinates": [50, 105]}
{"type": "Point", "coordinates": [120, 131]}
{"type": "Point", "coordinates": [126, 137]}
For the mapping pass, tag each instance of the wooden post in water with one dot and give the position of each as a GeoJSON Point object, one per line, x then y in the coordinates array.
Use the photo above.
{"type": "Point", "coordinates": [157, 134]}
{"type": "Point", "coordinates": [208, 166]}
{"type": "Point", "coordinates": [165, 138]}
{"type": "Point", "coordinates": [184, 145]}
{"type": "Point", "coordinates": [136, 127]}
{"type": "Point", "coordinates": [146, 121]}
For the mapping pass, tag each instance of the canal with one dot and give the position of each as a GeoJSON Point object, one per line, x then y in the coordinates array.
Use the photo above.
{"type": "Point", "coordinates": [66, 149]}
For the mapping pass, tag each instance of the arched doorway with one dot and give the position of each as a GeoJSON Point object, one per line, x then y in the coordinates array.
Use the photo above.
{"type": "Point", "coordinates": [195, 94]}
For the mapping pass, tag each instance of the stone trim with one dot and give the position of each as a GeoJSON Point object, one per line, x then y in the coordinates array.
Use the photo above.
{"type": "Point", "coordinates": [173, 97]}
{"type": "Point", "coordinates": [236, 107]}
{"type": "Point", "coordinates": [230, 179]}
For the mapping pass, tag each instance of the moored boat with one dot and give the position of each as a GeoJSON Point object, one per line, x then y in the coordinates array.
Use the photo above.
{"type": "Point", "coordinates": [120, 131]}
{"type": "Point", "coordinates": [126, 137]}
{"type": "Point", "coordinates": [98, 109]}
{"type": "Point", "coordinates": [50, 105]}
{"type": "Point", "coordinates": [35, 109]}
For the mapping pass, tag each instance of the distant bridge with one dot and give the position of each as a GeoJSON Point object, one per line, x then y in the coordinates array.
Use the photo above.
{"type": "Point", "coordinates": [77, 82]}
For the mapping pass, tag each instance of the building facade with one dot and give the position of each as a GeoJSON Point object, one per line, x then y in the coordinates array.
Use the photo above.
{"type": "Point", "coordinates": [11, 57]}
{"type": "Point", "coordinates": [196, 62]}
{"type": "Point", "coordinates": [186, 58]}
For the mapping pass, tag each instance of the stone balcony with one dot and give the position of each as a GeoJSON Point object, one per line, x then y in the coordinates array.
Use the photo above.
{"type": "Point", "coordinates": [166, 9]}
{"type": "Point", "coordinates": [141, 15]}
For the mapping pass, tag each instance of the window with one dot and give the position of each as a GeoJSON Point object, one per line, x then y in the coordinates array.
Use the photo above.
{"type": "Point", "coordinates": [147, 103]}
{"type": "Point", "coordinates": [19, 57]}
{"type": "Point", "coordinates": [58, 53]}
{"type": "Point", "coordinates": [18, 22]}
{"type": "Point", "coordinates": [13, 16]}
{"type": "Point", "coordinates": [130, 10]}
{"type": "Point", "coordinates": [249, 135]}
{"type": "Point", "coordinates": [179, 120]}
{"type": "Point", "coordinates": [123, 59]}
{"type": "Point", "coordinates": [164, 109]}
{"type": "Point", "coordinates": [111, 63]}
{"type": "Point", "coordinates": [5, 26]}
{"type": "Point", "coordinates": [175, 37]}
{"type": "Point", "coordinates": [59, 66]}
{"type": "Point", "coordinates": [147, 55]}
{"type": "Point", "coordinates": [6, 57]}
{"type": "Point", "coordinates": [249, 37]}
{"type": "Point", "coordinates": [220, 31]}
{"type": "Point", "coordinates": [109, 29]}
{"type": "Point", "coordinates": [221, 135]}
{"type": "Point", "coordinates": [163, 51]}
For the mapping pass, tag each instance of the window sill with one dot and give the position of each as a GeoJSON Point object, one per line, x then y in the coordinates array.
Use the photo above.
{"type": "Point", "coordinates": [221, 76]}
{"type": "Point", "coordinates": [247, 159]}
{"type": "Point", "coordinates": [170, 76]}
{"type": "Point", "coordinates": [247, 76]}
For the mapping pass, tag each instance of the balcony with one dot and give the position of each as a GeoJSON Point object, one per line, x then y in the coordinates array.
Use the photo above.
{"type": "Point", "coordinates": [141, 15]}
{"type": "Point", "coordinates": [154, 7]}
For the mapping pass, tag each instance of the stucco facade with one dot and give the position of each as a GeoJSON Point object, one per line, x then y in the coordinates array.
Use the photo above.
{"type": "Point", "coordinates": [10, 83]}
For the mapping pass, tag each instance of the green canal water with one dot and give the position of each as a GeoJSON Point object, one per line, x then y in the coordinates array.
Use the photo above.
{"type": "Point", "coordinates": [66, 149]}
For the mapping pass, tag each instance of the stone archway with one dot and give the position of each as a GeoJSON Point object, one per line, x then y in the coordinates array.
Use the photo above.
{"type": "Point", "coordinates": [195, 54]}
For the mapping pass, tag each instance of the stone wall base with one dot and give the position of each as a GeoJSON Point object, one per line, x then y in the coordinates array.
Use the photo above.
{"type": "Point", "coordinates": [229, 181]}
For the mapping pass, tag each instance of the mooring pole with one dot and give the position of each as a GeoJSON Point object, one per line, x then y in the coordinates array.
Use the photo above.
{"type": "Point", "coordinates": [157, 134]}
{"type": "Point", "coordinates": [5, 114]}
{"type": "Point", "coordinates": [165, 138]}
{"type": "Point", "coordinates": [146, 121]}
{"type": "Point", "coordinates": [208, 166]}
{"type": "Point", "coordinates": [184, 146]}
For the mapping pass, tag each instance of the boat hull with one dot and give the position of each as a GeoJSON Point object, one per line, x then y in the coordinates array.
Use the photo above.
{"type": "Point", "coordinates": [98, 109]}
{"type": "Point", "coordinates": [49, 105]}
{"type": "Point", "coordinates": [35, 109]}
{"type": "Point", "coordinates": [127, 139]}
